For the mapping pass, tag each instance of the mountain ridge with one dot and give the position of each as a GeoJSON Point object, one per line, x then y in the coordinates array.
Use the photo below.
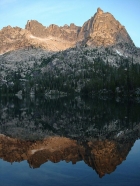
{"type": "Point", "coordinates": [100, 30]}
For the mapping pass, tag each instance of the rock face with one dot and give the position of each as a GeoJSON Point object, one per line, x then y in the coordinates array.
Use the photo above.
{"type": "Point", "coordinates": [68, 33]}
{"type": "Point", "coordinates": [104, 30]}
{"type": "Point", "coordinates": [101, 30]}
{"type": "Point", "coordinates": [12, 39]}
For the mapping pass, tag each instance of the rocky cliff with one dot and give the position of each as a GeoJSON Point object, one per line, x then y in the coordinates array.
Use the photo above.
{"type": "Point", "coordinates": [101, 30]}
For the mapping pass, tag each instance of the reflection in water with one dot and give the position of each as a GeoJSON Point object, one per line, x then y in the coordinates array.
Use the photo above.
{"type": "Point", "coordinates": [103, 156]}
{"type": "Point", "coordinates": [101, 133]}
{"type": "Point", "coordinates": [74, 118]}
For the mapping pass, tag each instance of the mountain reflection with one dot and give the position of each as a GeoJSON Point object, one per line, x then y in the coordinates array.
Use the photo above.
{"type": "Point", "coordinates": [100, 133]}
{"type": "Point", "coordinates": [103, 156]}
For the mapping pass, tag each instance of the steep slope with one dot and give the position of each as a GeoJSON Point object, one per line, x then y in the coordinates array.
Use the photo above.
{"type": "Point", "coordinates": [101, 30]}
{"type": "Point", "coordinates": [77, 70]}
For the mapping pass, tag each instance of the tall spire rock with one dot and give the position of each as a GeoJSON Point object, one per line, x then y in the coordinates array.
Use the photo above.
{"type": "Point", "coordinates": [104, 30]}
{"type": "Point", "coordinates": [99, 11]}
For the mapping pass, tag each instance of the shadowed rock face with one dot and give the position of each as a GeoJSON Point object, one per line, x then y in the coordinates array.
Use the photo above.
{"type": "Point", "coordinates": [103, 156]}
{"type": "Point", "coordinates": [101, 30]}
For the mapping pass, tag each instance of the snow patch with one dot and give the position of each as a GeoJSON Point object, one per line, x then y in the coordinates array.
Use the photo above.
{"type": "Point", "coordinates": [121, 132]}
{"type": "Point", "coordinates": [36, 150]}
{"type": "Point", "coordinates": [41, 39]}
{"type": "Point", "coordinates": [119, 53]}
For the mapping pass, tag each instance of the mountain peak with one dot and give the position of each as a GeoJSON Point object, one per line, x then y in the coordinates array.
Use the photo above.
{"type": "Point", "coordinates": [99, 11]}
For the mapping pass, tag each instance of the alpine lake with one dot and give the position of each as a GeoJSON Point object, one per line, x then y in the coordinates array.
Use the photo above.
{"type": "Point", "coordinates": [69, 141]}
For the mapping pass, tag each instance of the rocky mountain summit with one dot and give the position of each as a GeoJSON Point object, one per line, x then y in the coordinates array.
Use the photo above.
{"type": "Point", "coordinates": [104, 30]}
{"type": "Point", "coordinates": [101, 30]}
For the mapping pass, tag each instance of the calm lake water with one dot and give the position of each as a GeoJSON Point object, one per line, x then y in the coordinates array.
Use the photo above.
{"type": "Point", "coordinates": [69, 141]}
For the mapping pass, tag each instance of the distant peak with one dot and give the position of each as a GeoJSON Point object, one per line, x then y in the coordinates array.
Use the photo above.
{"type": "Point", "coordinates": [99, 11]}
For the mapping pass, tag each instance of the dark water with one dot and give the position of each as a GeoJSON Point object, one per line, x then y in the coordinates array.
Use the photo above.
{"type": "Point", "coordinates": [69, 141]}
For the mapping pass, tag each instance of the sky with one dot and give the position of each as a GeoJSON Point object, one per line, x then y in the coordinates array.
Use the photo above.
{"type": "Point", "coordinates": [60, 12]}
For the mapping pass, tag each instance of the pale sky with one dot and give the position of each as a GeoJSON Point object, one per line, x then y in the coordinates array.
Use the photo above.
{"type": "Point", "coordinates": [60, 12]}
